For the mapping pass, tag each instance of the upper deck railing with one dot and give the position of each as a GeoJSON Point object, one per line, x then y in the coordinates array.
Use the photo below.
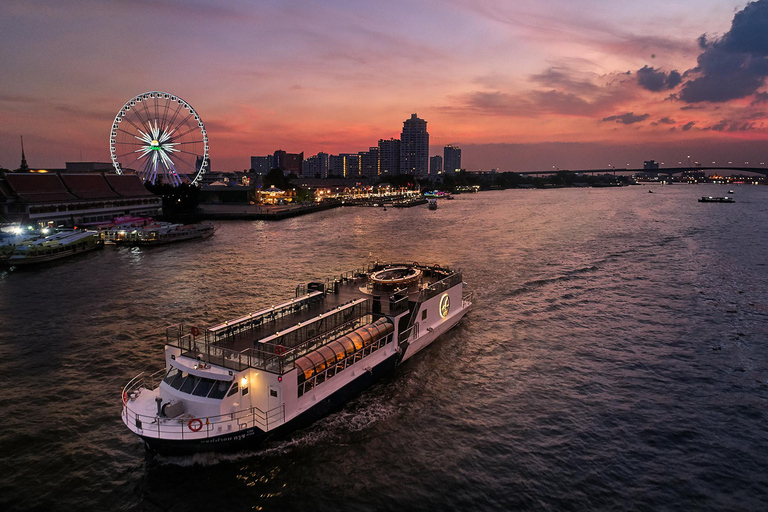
{"type": "Point", "coordinates": [440, 286]}
{"type": "Point", "coordinates": [277, 352]}
{"type": "Point", "coordinates": [226, 332]}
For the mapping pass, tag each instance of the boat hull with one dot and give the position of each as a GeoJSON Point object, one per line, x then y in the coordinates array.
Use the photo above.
{"type": "Point", "coordinates": [167, 240]}
{"type": "Point", "coordinates": [254, 437]}
{"type": "Point", "coordinates": [33, 260]}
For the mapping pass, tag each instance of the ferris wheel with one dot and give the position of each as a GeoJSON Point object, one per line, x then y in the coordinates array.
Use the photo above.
{"type": "Point", "coordinates": [161, 137]}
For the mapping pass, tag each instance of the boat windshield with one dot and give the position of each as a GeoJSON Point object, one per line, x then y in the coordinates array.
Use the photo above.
{"type": "Point", "coordinates": [196, 386]}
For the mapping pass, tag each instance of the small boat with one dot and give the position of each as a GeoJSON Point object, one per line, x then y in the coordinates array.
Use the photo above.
{"type": "Point", "coordinates": [234, 384]}
{"type": "Point", "coordinates": [169, 233]}
{"type": "Point", "coordinates": [54, 247]}
{"type": "Point", "coordinates": [10, 240]}
{"type": "Point", "coordinates": [710, 199]}
{"type": "Point", "coordinates": [150, 232]}
{"type": "Point", "coordinates": [730, 191]}
{"type": "Point", "coordinates": [650, 191]}
{"type": "Point", "coordinates": [432, 203]}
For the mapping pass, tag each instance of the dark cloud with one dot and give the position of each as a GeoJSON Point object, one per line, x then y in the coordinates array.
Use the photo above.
{"type": "Point", "coordinates": [563, 103]}
{"type": "Point", "coordinates": [656, 80]}
{"type": "Point", "coordinates": [687, 126]}
{"type": "Point", "coordinates": [735, 65]}
{"type": "Point", "coordinates": [731, 126]}
{"type": "Point", "coordinates": [719, 127]}
{"type": "Point", "coordinates": [560, 77]}
{"type": "Point", "coordinates": [628, 118]}
{"type": "Point", "coordinates": [570, 92]}
{"type": "Point", "coordinates": [663, 120]}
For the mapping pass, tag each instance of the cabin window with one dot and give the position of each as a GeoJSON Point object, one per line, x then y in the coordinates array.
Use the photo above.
{"type": "Point", "coordinates": [189, 384]}
{"type": "Point", "coordinates": [245, 391]}
{"type": "Point", "coordinates": [273, 392]}
{"type": "Point", "coordinates": [424, 315]}
{"type": "Point", "coordinates": [233, 390]}
{"type": "Point", "coordinates": [171, 375]}
{"type": "Point", "coordinates": [203, 387]}
{"type": "Point", "coordinates": [218, 389]}
{"type": "Point", "coordinates": [178, 379]}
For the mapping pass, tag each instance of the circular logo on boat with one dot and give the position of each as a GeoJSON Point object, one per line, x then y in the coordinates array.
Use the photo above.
{"type": "Point", "coordinates": [445, 305]}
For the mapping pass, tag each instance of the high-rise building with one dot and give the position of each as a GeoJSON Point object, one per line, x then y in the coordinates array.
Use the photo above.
{"type": "Point", "coordinates": [369, 162]}
{"type": "Point", "coordinates": [336, 165]}
{"type": "Point", "coordinates": [452, 159]}
{"type": "Point", "coordinates": [315, 166]}
{"type": "Point", "coordinates": [389, 156]}
{"type": "Point", "coordinates": [414, 147]}
{"type": "Point", "coordinates": [351, 165]}
{"type": "Point", "coordinates": [435, 165]}
{"type": "Point", "coordinates": [288, 162]}
{"type": "Point", "coordinates": [261, 165]}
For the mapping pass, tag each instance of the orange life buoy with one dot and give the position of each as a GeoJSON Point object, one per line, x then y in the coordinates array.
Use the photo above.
{"type": "Point", "coordinates": [279, 350]}
{"type": "Point", "coordinates": [125, 397]}
{"type": "Point", "coordinates": [195, 331]}
{"type": "Point", "coordinates": [195, 425]}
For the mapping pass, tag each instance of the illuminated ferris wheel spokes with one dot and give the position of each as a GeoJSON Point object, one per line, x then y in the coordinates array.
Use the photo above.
{"type": "Point", "coordinates": [158, 144]}
{"type": "Point", "coordinates": [159, 136]}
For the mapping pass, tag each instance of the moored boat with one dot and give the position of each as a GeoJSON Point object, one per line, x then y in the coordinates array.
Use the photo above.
{"type": "Point", "coordinates": [53, 247]}
{"type": "Point", "coordinates": [150, 232]}
{"type": "Point", "coordinates": [169, 233]}
{"type": "Point", "coordinates": [233, 384]}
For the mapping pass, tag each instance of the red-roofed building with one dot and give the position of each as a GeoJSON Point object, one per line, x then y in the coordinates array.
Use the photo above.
{"type": "Point", "coordinates": [64, 199]}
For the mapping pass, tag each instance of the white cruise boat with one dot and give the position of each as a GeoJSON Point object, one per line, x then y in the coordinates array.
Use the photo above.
{"type": "Point", "coordinates": [149, 232]}
{"type": "Point", "coordinates": [62, 244]}
{"type": "Point", "coordinates": [236, 383]}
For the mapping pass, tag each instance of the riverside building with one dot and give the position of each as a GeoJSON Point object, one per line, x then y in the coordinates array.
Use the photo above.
{"type": "Point", "coordinates": [414, 147]}
{"type": "Point", "coordinates": [451, 159]}
{"type": "Point", "coordinates": [389, 156]}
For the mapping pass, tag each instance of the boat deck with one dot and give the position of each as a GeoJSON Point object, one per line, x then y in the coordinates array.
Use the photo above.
{"type": "Point", "coordinates": [249, 338]}
{"type": "Point", "coordinates": [271, 339]}
{"type": "Point", "coordinates": [339, 293]}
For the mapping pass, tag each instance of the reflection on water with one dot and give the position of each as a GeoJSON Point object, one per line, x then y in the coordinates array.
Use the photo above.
{"type": "Point", "coordinates": [615, 356]}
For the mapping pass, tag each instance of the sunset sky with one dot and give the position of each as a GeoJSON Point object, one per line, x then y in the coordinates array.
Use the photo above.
{"type": "Point", "coordinates": [518, 85]}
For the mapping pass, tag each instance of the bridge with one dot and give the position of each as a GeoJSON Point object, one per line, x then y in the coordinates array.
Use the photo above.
{"type": "Point", "coordinates": [665, 170]}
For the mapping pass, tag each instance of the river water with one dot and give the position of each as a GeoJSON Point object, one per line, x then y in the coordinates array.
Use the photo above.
{"type": "Point", "coordinates": [615, 359]}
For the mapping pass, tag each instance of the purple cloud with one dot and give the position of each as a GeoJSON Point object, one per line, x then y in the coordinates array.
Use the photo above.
{"type": "Point", "coordinates": [735, 65]}
{"type": "Point", "coordinates": [628, 118]}
{"type": "Point", "coordinates": [656, 80]}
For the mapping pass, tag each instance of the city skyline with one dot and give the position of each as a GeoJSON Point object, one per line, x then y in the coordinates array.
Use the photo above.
{"type": "Point", "coordinates": [551, 84]}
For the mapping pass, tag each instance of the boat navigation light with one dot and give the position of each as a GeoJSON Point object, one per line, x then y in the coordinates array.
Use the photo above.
{"type": "Point", "coordinates": [46, 231]}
